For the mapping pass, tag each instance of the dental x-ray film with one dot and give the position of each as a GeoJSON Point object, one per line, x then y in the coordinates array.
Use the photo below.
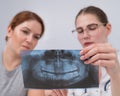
{"type": "Point", "coordinates": [57, 69]}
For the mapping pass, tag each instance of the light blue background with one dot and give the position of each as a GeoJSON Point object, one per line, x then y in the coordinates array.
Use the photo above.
{"type": "Point", "coordinates": [59, 16]}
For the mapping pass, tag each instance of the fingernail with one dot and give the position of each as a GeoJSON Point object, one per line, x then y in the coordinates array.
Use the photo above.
{"type": "Point", "coordinates": [86, 62]}
{"type": "Point", "coordinates": [81, 52]}
{"type": "Point", "coordinates": [82, 57]}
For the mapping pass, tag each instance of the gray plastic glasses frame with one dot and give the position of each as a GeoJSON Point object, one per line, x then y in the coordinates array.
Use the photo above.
{"type": "Point", "coordinates": [89, 28]}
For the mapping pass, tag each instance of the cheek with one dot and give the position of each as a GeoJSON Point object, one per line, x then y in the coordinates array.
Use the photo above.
{"type": "Point", "coordinates": [80, 40]}
{"type": "Point", "coordinates": [16, 39]}
{"type": "Point", "coordinates": [34, 44]}
{"type": "Point", "coordinates": [17, 36]}
{"type": "Point", "coordinates": [99, 37]}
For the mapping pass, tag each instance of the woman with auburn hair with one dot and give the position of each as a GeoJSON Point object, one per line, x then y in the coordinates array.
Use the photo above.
{"type": "Point", "coordinates": [23, 33]}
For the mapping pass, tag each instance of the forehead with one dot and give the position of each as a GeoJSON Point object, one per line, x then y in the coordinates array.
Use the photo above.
{"type": "Point", "coordinates": [30, 23]}
{"type": "Point", "coordinates": [33, 25]}
{"type": "Point", "coordinates": [86, 19]}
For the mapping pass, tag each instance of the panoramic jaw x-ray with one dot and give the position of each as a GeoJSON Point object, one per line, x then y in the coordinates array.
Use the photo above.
{"type": "Point", "coordinates": [48, 69]}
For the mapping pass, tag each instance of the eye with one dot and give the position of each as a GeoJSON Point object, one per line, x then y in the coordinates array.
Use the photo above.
{"type": "Point", "coordinates": [25, 31]}
{"type": "Point", "coordinates": [80, 30]}
{"type": "Point", "coordinates": [37, 37]}
{"type": "Point", "coordinates": [92, 26]}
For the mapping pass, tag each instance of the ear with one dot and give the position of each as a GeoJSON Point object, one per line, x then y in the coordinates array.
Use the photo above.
{"type": "Point", "coordinates": [108, 28]}
{"type": "Point", "coordinates": [9, 32]}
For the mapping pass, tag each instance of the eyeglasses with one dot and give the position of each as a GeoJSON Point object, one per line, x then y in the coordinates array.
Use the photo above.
{"type": "Point", "coordinates": [90, 29]}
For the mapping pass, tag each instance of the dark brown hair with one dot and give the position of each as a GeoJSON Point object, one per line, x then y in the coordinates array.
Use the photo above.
{"type": "Point", "coordinates": [100, 14]}
{"type": "Point", "coordinates": [25, 16]}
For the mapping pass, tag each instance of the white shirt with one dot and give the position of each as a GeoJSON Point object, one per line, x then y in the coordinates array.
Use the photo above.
{"type": "Point", "coordinates": [104, 88]}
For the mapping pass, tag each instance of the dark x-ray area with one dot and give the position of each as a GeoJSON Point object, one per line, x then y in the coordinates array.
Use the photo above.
{"type": "Point", "coordinates": [57, 69]}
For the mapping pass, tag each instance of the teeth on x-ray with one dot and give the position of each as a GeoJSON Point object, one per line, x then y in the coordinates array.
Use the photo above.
{"type": "Point", "coordinates": [56, 69]}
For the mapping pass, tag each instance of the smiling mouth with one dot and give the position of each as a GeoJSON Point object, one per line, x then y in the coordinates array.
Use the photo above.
{"type": "Point", "coordinates": [57, 75]}
{"type": "Point", "coordinates": [61, 78]}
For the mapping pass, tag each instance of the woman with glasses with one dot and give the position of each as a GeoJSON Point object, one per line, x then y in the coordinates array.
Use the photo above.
{"type": "Point", "coordinates": [92, 31]}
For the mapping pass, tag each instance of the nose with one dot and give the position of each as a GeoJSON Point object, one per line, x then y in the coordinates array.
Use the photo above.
{"type": "Point", "coordinates": [85, 34]}
{"type": "Point", "coordinates": [58, 64]}
{"type": "Point", "coordinates": [29, 39]}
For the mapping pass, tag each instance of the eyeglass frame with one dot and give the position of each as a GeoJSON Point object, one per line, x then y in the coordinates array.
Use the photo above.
{"type": "Point", "coordinates": [88, 28]}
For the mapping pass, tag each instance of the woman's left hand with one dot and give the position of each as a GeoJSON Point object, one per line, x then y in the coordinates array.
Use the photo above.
{"type": "Point", "coordinates": [103, 55]}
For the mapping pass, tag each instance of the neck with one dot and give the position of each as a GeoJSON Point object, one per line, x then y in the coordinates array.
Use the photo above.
{"type": "Point", "coordinates": [10, 59]}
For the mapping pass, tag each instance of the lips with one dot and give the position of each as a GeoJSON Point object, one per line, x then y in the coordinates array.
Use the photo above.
{"type": "Point", "coordinates": [25, 47]}
{"type": "Point", "coordinates": [87, 44]}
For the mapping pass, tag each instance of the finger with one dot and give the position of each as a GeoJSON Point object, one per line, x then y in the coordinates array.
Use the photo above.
{"type": "Point", "coordinates": [105, 63]}
{"type": "Point", "coordinates": [97, 50]}
{"type": "Point", "coordinates": [100, 56]}
{"type": "Point", "coordinates": [86, 49]}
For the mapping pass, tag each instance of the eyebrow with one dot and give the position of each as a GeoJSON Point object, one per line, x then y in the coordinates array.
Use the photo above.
{"type": "Point", "coordinates": [78, 28]}
{"type": "Point", "coordinates": [26, 28]}
{"type": "Point", "coordinates": [30, 30]}
{"type": "Point", "coordinates": [86, 26]}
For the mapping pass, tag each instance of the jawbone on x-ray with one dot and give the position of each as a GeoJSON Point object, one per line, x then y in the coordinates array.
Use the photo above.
{"type": "Point", "coordinates": [53, 69]}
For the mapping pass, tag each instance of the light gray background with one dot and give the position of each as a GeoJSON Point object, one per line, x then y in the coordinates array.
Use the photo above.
{"type": "Point", "coordinates": [59, 16]}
